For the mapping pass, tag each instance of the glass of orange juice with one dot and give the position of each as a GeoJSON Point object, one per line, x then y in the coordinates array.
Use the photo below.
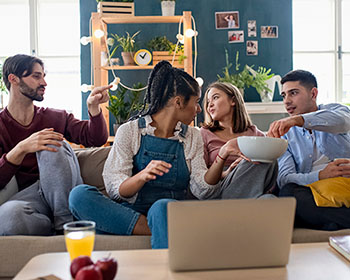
{"type": "Point", "coordinates": [80, 238]}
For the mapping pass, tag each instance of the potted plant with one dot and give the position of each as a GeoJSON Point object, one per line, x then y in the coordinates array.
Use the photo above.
{"type": "Point", "coordinates": [124, 103]}
{"type": "Point", "coordinates": [247, 77]}
{"type": "Point", "coordinates": [163, 49]}
{"type": "Point", "coordinates": [168, 7]}
{"type": "Point", "coordinates": [3, 89]}
{"type": "Point", "coordinates": [127, 43]}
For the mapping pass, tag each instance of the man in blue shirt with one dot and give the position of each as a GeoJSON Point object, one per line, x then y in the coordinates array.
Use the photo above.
{"type": "Point", "coordinates": [318, 145]}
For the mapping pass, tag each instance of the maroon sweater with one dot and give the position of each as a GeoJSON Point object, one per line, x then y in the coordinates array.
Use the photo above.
{"type": "Point", "coordinates": [88, 133]}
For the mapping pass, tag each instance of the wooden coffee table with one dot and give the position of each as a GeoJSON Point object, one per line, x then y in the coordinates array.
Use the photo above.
{"type": "Point", "coordinates": [307, 261]}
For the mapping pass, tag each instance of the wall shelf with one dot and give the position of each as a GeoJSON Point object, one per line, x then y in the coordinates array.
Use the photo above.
{"type": "Point", "coordinates": [100, 21]}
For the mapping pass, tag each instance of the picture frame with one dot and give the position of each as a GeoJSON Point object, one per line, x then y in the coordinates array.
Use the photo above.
{"type": "Point", "coordinates": [269, 31]}
{"type": "Point", "coordinates": [251, 28]}
{"type": "Point", "coordinates": [227, 20]}
{"type": "Point", "coordinates": [252, 47]}
{"type": "Point", "coordinates": [236, 36]}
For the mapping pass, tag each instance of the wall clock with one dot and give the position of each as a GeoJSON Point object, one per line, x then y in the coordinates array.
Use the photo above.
{"type": "Point", "coordinates": [142, 57]}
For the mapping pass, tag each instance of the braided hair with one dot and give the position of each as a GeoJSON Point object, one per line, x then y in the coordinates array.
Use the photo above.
{"type": "Point", "coordinates": [166, 82]}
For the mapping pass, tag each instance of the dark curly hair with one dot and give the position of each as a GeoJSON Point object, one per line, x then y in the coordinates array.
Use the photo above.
{"type": "Point", "coordinates": [166, 82]}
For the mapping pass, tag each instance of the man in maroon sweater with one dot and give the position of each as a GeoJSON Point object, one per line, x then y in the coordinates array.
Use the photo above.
{"type": "Point", "coordinates": [34, 158]}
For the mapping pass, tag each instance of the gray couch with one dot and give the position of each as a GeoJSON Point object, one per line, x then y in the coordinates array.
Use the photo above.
{"type": "Point", "coordinates": [16, 251]}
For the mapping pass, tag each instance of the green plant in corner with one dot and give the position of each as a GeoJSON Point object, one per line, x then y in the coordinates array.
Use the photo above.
{"type": "Point", "coordinates": [247, 77]}
{"type": "Point", "coordinates": [124, 104]}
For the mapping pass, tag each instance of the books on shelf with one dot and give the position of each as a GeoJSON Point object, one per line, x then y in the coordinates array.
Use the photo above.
{"type": "Point", "coordinates": [341, 244]}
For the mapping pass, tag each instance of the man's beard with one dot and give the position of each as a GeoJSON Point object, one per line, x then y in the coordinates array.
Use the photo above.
{"type": "Point", "coordinates": [30, 92]}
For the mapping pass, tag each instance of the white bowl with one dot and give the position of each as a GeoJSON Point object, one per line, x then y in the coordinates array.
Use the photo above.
{"type": "Point", "coordinates": [263, 149]}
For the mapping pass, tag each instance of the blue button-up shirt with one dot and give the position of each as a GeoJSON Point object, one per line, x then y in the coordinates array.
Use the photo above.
{"type": "Point", "coordinates": [330, 126]}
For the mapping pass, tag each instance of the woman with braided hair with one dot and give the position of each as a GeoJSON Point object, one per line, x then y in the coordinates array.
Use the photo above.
{"type": "Point", "coordinates": [155, 158]}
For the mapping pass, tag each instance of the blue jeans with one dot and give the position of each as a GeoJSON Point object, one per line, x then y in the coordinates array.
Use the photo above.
{"type": "Point", "coordinates": [87, 203]}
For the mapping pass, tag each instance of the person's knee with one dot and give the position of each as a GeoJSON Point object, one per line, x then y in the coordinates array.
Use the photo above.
{"type": "Point", "coordinates": [159, 209]}
{"type": "Point", "coordinates": [13, 217]}
{"type": "Point", "coordinates": [78, 196]}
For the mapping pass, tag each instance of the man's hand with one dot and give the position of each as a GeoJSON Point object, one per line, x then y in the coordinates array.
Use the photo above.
{"type": "Point", "coordinates": [38, 141]}
{"type": "Point", "coordinates": [337, 168]}
{"type": "Point", "coordinates": [281, 127]}
{"type": "Point", "coordinates": [97, 96]}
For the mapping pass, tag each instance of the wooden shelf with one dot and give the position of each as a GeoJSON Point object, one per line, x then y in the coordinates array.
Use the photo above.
{"type": "Point", "coordinates": [101, 21]}
{"type": "Point", "coordinates": [140, 19]}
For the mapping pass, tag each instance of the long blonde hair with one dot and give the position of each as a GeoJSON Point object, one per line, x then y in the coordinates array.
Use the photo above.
{"type": "Point", "coordinates": [240, 117]}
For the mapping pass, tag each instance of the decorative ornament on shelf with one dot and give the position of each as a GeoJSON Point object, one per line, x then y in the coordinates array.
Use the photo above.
{"type": "Point", "coordinates": [116, 7]}
{"type": "Point", "coordinates": [248, 77]}
{"type": "Point", "coordinates": [143, 57]}
{"type": "Point", "coordinates": [168, 7]}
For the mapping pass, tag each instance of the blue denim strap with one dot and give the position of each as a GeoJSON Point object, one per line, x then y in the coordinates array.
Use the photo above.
{"type": "Point", "coordinates": [141, 122]}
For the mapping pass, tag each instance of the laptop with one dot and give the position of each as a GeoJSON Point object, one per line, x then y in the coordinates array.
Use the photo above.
{"type": "Point", "coordinates": [236, 233]}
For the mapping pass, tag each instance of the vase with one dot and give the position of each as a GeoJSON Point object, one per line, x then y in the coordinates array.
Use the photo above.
{"type": "Point", "coordinates": [266, 96]}
{"type": "Point", "coordinates": [168, 8]}
{"type": "Point", "coordinates": [128, 58]}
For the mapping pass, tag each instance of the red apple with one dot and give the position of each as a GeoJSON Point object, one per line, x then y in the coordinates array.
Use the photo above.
{"type": "Point", "coordinates": [90, 272]}
{"type": "Point", "coordinates": [79, 263]}
{"type": "Point", "coordinates": [108, 267]}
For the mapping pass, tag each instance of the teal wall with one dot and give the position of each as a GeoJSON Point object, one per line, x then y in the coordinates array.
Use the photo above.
{"type": "Point", "coordinates": [273, 53]}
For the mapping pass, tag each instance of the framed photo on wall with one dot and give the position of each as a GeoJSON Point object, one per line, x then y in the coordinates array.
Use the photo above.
{"type": "Point", "coordinates": [236, 36]}
{"type": "Point", "coordinates": [227, 20]}
{"type": "Point", "coordinates": [252, 47]}
{"type": "Point", "coordinates": [251, 28]}
{"type": "Point", "coordinates": [269, 31]}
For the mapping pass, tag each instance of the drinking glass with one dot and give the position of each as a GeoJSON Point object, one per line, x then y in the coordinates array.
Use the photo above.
{"type": "Point", "coordinates": [80, 238]}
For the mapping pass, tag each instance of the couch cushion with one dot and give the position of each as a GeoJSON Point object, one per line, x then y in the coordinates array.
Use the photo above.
{"type": "Point", "coordinates": [92, 161]}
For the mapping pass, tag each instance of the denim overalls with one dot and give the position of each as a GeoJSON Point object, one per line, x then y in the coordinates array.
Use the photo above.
{"type": "Point", "coordinates": [173, 184]}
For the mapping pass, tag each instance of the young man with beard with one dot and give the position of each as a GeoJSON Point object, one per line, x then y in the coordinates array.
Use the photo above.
{"type": "Point", "coordinates": [318, 145]}
{"type": "Point", "coordinates": [33, 155]}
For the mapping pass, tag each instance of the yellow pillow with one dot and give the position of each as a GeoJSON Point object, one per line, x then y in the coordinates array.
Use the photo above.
{"type": "Point", "coordinates": [331, 192]}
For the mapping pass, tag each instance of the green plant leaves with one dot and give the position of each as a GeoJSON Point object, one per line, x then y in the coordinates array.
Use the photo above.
{"type": "Point", "coordinates": [124, 103]}
{"type": "Point", "coordinates": [246, 78]}
{"type": "Point", "coordinates": [127, 43]}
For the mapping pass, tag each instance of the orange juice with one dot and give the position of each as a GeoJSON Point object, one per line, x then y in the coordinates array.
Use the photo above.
{"type": "Point", "coordinates": [80, 243]}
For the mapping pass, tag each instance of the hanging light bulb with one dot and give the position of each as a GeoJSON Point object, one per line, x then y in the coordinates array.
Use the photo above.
{"type": "Point", "coordinates": [85, 88]}
{"type": "Point", "coordinates": [200, 81]}
{"type": "Point", "coordinates": [115, 83]}
{"type": "Point", "coordinates": [98, 33]}
{"type": "Point", "coordinates": [85, 40]}
{"type": "Point", "coordinates": [190, 33]}
{"type": "Point", "coordinates": [181, 38]}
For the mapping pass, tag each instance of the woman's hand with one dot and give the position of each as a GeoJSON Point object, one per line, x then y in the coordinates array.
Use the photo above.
{"type": "Point", "coordinates": [155, 167]}
{"type": "Point", "coordinates": [134, 184]}
{"type": "Point", "coordinates": [231, 148]}
{"type": "Point", "coordinates": [231, 167]}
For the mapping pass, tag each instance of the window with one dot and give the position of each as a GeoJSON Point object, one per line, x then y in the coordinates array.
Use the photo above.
{"type": "Point", "coordinates": [50, 30]}
{"type": "Point", "coordinates": [321, 45]}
